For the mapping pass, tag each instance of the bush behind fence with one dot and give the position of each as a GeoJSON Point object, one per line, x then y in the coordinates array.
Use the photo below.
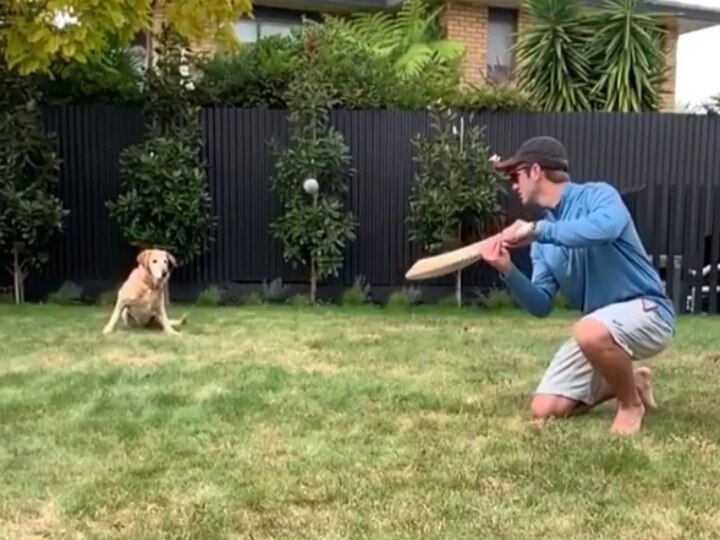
{"type": "Point", "coordinates": [665, 165]}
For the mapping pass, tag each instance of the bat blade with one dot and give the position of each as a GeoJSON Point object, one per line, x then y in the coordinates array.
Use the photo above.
{"type": "Point", "coordinates": [445, 263]}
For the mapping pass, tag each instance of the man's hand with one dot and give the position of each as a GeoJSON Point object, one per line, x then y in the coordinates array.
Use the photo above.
{"type": "Point", "coordinates": [519, 234]}
{"type": "Point", "coordinates": [496, 255]}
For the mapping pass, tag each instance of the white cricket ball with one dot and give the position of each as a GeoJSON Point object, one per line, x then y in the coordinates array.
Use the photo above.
{"type": "Point", "coordinates": [311, 186]}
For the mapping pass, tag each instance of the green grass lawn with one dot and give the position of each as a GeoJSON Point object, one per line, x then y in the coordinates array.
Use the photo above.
{"type": "Point", "coordinates": [267, 422]}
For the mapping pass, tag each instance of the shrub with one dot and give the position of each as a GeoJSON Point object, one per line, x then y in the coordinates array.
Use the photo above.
{"type": "Point", "coordinates": [106, 298]}
{"type": "Point", "coordinates": [454, 197]}
{"type": "Point", "coordinates": [68, 293]}
{"type": "Point", "coordinates": [358, 294]}
{"type": "Point", "coordinates": [448, 301]}
{"type": "Point", "coordinates": [410, 38]}
{"type": "Point", "coordinates": [407, 296]}
{"type": "Point", "coordinates": [301, 300]}
{"type": "Point", "coordinates": [492, 98]}
{"type": "Point", "coordinates": [274, 291]}
{"type": "Point", "coordinates": [412, 72]}
{"type": "Point", "coordinates": [314, 226]}
{"type": "Point", "coordinates": [252, 299]}
{"type": "Point", "coordinates": [210, 297]}
{"type": "Point", "coordinates": [257, 76]}
{"type": "Point", "coordinates": [497, 298]}
{"type": "Point", "coordinates": [357, 74]}
{"type": "Point", "coordinates": [30, 213]}
{"type": "Point", "coordinates": [164, 201]}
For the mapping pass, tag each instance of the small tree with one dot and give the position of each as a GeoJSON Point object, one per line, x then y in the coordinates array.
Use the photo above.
{"type": "Point", "coordinates": [455, 194]}
{"type": "Point", "coordinates": [165, 201]}
{"type": "Point", "coordinates": [30, 214]}
{"type": "Point", "coordinates": [628, 56]}
{"type": "Point", "coordinates": [608, 58]}
{"type": "Point", "coordinates": [310, 176]}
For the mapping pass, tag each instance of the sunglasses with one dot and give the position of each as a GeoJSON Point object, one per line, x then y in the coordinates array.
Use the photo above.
{"type": "Point", "coordinates": [514, 175]}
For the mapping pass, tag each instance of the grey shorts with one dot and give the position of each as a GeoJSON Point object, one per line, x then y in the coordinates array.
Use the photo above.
{"type": "Point", "coordinates": [635, 326]}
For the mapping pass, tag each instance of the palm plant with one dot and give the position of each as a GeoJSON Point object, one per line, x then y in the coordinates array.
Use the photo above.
{"type": "Point", "coordinates": [409, 37]}
{"type": "Point", "coordinates": [627, 49]}
{"type": "Point", "coordinates": [552, 66]}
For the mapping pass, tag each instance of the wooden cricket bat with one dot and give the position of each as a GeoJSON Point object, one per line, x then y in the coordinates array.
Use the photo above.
{"type": "Point", "coordinates": [445, 263]}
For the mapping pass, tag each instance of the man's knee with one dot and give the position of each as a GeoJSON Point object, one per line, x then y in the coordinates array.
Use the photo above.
{"type": "Point", "coordinates": [591, 335]}
{"type": "Point", "coordinates": [543, 407]}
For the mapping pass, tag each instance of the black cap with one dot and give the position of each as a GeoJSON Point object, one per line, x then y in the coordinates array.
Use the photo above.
{"type": "Point", "coordinates": [546, 151]}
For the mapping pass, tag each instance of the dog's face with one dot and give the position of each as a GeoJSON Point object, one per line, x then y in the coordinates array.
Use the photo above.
{"type": "Point", "coordinates": [158, 263]}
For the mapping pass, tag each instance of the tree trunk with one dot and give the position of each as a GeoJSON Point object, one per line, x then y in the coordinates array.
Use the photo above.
{"type": "Point", "coordinates": [458, 288]}
{"type": "Point", "coordinates": [313, 280]}
{"type": "Point", "coordinates": [458, 275]}
{"type": "Point", "coordinates": [18, 278]}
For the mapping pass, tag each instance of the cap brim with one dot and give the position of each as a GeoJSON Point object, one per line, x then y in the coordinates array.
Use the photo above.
{"type": "Point", "coordinates": [507, 165]}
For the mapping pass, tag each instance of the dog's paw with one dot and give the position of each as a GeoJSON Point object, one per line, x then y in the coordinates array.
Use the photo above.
{"type": "Point", "coordinates": [107, 331]}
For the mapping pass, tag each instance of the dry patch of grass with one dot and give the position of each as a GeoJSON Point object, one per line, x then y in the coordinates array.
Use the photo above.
{"type": "Point", "coordinates": [32, 523]}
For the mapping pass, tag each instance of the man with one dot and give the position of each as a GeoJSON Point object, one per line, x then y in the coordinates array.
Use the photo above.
{"type": "Point", "coordinates": [586, 247]}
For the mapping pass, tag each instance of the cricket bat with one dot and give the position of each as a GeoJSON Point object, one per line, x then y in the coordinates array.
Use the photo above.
{"type": "Point", "coordinates": [445, 263]}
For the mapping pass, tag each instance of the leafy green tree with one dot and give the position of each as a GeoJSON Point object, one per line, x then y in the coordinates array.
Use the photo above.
{"type": "Point", "coordinates": [454, 198]}
{"type": "Point", "coordinates": [38, 33]}
{"type": "Point", "coordinates": [310, 176]}
{"type": "Point", "coordinates": [164, 201]}
{"type": "Point", "coordinates": [410, 37]}
{"type": "Point", "coordinates": [609, 58]}
{"type": "Point", "coordinates": [30, 213]}
{"type": "Point", "coordinates": [552, 66]}
{"type": "Point", "coordinates": [627, 55]}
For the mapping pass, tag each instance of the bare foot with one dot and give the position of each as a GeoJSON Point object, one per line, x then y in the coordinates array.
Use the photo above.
{"type": "Point", "coordinates": [628, 420]}
{"type": "Point", "coordinates": [643, 383]}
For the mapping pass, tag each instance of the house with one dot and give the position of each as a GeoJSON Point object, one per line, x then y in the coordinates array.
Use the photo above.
{"type": "Point", "coordinates": [486, 27]}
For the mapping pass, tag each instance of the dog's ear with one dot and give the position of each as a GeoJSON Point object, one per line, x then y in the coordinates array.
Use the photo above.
{"type": "Point", "coordinates": [172, 259]}
{"type": "Point", "coordinates": [143, 257]}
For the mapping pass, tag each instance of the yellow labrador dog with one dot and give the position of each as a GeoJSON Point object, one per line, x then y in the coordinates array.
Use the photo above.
{"type": "Point", "coordinates": [141, 299]}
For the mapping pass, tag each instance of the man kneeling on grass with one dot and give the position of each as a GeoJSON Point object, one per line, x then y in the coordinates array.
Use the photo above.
{"type": "Point", "coordinates": [588, 248]}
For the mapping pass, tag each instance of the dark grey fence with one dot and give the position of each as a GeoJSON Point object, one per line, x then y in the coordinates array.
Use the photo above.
{"type": "Point", "coordinates": [666, 166]}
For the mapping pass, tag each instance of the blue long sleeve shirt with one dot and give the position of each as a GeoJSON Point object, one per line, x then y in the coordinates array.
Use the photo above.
{"type": "Point", "coordinates": [588, 248]}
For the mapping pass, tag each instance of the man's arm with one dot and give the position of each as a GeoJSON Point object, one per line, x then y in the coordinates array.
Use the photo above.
{"type": "Point", "coordinates": [534, 295]}
{"type": "Point", "coordinates": [608, 217]}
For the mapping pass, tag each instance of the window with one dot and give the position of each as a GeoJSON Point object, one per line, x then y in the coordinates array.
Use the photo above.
{"type": "Point", "coordinates": [250, 30]}
{"type": "Point", "coordinates": [502, 25]}
{"type": "Point", "coordinates": [275, 28]}
{"type": "Point", "coordinates": [246, 31]}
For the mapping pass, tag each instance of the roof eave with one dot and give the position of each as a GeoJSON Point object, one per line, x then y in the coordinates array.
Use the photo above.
{"type": "Point", "coordinates": [690, 17]}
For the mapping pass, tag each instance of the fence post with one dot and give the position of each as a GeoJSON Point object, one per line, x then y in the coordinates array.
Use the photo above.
{"type": "Point", "coordinates": [677, 262]}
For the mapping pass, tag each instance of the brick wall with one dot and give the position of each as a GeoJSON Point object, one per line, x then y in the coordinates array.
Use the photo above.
{"type": "Point", "coordinates": [524, 20]}
{"type": "Point", "coordinates": [667, 91]}
{"type": "Point", "coordinates": [467, 23]}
